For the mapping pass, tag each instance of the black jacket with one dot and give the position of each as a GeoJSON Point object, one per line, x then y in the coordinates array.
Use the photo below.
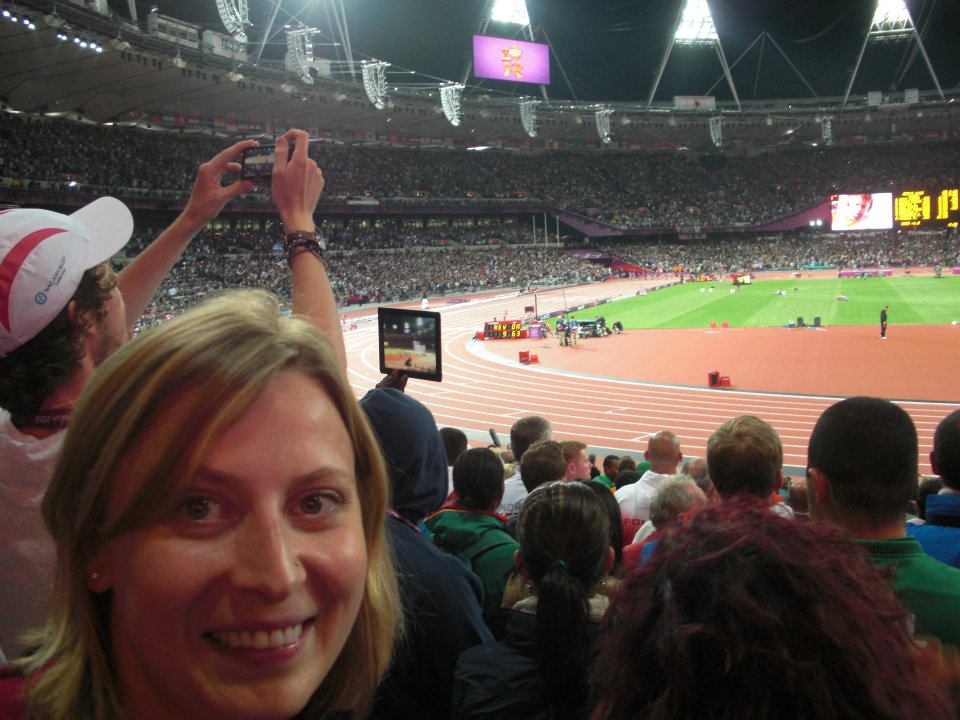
{"type": "Point", "coordinates": [501, 682]}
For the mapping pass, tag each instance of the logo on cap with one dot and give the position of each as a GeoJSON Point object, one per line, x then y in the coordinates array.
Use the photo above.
{"type": "Point", "coordinates": [40, 298]}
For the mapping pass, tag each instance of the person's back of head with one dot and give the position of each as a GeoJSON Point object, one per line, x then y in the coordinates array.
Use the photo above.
{"type": "Point", "coordinates": [478, 479]}
{"type": "Point", "coordinates": [564, 535]}
{"type": "Point", "coordinates": [412, 447]}
{"type": "Point", "coordinates": [674, 498]}
{"type": "Point", "coordinates": [862, 463]}
{"type": "Point", "coordinates": [741, 613]}
{"type": "Point", "coordinates": [526, 431]}
{"type": "Point", "coordinates": [542, 463]}
{"type": "Point", "coordinates": [663, 452]}
{"type": "Point", "coordinates": [609, 503]}
{"type": "Point", "coordinates": [626, 463]}
{"type": "Point", "coordinates": [454, 443]}
{"type": "Point", "coordinates": [745, 455]}
{"type": "Point", "coordinates": [699, 472]}
{"type": "Point", "coordinates": [945, 457]}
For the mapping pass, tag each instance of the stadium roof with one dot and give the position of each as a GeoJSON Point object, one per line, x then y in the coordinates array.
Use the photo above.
{"type": "Point", "coordinates": [610, 49]}
{"type": "Point", "coordinates": [605, 51]}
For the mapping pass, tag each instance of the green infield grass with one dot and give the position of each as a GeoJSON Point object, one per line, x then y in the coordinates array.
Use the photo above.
{"type": "Point", "coordinates": [923, 300]}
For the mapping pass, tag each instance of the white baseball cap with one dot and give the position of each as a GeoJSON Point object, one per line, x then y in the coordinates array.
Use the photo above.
{"type": "Point", "coordinates": [43, 256]}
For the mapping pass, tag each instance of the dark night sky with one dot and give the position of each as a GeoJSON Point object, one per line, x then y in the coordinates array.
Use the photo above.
{"type": "Point", "coordinates": [611, 48]}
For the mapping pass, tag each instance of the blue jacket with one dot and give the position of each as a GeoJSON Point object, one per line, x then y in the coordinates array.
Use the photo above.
{"type": "Point", "coordinates": [940, 535]}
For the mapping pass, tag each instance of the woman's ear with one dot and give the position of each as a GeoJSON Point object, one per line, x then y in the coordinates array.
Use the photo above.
{"type": "Point", "coordinates": [608, 559]}
{"type": "Point", "coordinates": [99, 579]}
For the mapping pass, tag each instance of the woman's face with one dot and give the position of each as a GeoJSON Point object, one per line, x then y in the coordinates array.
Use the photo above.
{"type": "Point", "coordinates": [238, 603]}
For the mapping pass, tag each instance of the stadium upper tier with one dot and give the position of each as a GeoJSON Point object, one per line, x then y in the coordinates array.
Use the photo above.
{"type": "Point", "coordinates": [628, 190]}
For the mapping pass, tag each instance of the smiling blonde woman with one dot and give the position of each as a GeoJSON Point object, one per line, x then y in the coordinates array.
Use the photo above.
{"type": "Point", "coordinates": [218, 514]}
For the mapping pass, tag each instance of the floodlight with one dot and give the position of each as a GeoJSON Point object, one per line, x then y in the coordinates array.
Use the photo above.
{"type": "Point", "coordinates": [696, 25]}
{"type": "Point", "coordinates": [450, 102]}
{"type": "Point", "coordinates": [375, 81]}
{"type": "Point", "coordinates": [891, 18]}
{"type": "Point", "coordinates": [234, 15]}
{"type": "Point", "coordinates": [528, 116]}
{"type": "Point", "coordinates": [510, 11]}
{"type": "Point", "coordinates": [716, 131]}
{"type": "Point", "coordinates": [602, 119]}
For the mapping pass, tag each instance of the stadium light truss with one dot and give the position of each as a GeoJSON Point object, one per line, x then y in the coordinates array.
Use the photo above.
{"type": "Point", "coordinates": [891, 19]}
{"type": "Point", "coordinates": [696, 25]}
{"type": "Point", "coordinates": [602, 119]}
{"type": "Point", "coordinates": [450, 102]}
{"type": "Point", "coordinates": [510, 11]}
{"type": "Point", "coordinates": [528, 116]}
{"type": "Point", "coordinates": [716, 131]}
{"type": "Point", "coordinates": [235, 17]}
{"type": "Point", "coordinates": [375, 81]}
{"type": "Point", "coordinates": [300, 52]}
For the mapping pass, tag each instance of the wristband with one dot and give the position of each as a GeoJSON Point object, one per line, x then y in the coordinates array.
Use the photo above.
{"type": "Point", "coordinates": [299, 242]}
{"type": "Point", "coordinates": [293, 238]}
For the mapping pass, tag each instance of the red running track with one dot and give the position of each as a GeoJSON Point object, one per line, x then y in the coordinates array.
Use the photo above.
{"type": "Point", "coordinates": [480, 390]}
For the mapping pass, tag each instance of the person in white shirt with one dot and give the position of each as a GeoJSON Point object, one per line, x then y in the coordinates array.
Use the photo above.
{"type": "Point", "coordinates": [664, 455]}
{"type": "Point", "coordinates": [525, 432]}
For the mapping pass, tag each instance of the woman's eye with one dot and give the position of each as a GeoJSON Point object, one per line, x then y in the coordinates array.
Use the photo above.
{"type": "Point", "coordinates": [317, 503]}
{"type": "Point", "coordinates": [198, 508]}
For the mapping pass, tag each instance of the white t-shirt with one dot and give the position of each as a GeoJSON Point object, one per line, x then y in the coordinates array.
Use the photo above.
{"type": "Point", "coordinates": [634, 501]}
{"type": "Point", "coordinates": [514, 493]}
{"type": "Point", "coordinates": [26, 571]}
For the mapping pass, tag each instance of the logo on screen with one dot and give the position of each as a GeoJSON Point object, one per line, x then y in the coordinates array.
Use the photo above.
{"type": "Point", "coordinates": [511, 61]}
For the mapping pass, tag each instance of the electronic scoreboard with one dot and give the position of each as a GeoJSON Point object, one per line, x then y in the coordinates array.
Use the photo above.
{"type": "Point", "coordinates": [502, 330]}
{"type": "Point", "coordinates": [927, 208]}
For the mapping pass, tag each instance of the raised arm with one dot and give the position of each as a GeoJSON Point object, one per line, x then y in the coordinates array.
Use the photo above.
{"type": "Point", "coordinates": [140, 279]}
{"type": "Point", "coordinates": [296, 188]}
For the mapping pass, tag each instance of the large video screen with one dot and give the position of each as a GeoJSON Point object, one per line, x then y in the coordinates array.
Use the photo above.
{"type": "Point", "coordinates": [861, 211]}
{"type": "Point", "coordinates": [512, 60]}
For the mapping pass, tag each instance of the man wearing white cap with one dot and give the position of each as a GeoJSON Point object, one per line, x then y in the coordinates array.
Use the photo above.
{"type": "Point", "coordinates": [63, 311]}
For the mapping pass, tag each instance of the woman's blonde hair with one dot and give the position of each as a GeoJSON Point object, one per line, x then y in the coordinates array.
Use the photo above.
{"type": "Point", "coordinates": [156, 406]}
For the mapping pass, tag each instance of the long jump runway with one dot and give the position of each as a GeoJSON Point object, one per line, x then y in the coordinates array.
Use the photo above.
{"type": "Point", "coordinates": [484, 388]}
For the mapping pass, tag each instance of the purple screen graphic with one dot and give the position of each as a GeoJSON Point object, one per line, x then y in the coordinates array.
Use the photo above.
{"type": "Point", "coordinates": [512, 60]}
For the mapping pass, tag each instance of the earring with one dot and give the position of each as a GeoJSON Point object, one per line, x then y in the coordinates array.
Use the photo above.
{"type": "Point", "coordinates": [94, 576]}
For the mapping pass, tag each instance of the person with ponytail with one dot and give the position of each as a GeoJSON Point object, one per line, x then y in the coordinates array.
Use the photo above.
{"type": "Point", "coordinates": [540, 667]}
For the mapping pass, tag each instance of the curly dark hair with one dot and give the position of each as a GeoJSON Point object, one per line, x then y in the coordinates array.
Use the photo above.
{"type": "Point", "coordinates": [743, 614]}
{"type": "Point", "coordinates": [36, 369]}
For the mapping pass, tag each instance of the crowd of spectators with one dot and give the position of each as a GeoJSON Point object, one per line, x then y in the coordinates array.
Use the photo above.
{"type": "Point", "coordinates": [668, 189]}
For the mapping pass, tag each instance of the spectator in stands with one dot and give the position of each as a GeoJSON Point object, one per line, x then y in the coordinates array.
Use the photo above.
{"type": "Point", "coordinates": [745, 456]}
{"type": "Point", "coordinates": [219, 497]}
{"type": "Point", "coordinates": [51, 349]}
{"type": "Point", "coordinates": [525, 432]}
{"type": "Point", "coordinates": [616, 527]}
{"type": "Point", "coordinates": [541, 666]}
{"type": "Point", "coordinates": [610, 467]}
{"type": "Point", "coordinates": [939, 536]}
{"type": "Point", "coordinates": [744, 614]}
{"type": "Point", "coordinates": [441, 598]}
{"type": "Point", "coordinates": [699, 472]}
{"type": "Point", "coordinates": [575, 456]}
{"type": "Point", "coordinates": [674, 498]}
{"type": "Point", "coordinates": [664, 455]}
{"type": "Point", "coordinates": [470, 530]}
{"type": "Point", "coordinates": [594, 473]}
{"type": "Point", "coordinates": [454, 443]}
{"type": "Point", "coordinates": [542, 463]}
{"type": "Point", "coordinates": [862, 472]}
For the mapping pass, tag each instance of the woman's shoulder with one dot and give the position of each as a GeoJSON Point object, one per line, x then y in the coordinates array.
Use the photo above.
{"type": "Point", "coordinates": [11, 695]}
